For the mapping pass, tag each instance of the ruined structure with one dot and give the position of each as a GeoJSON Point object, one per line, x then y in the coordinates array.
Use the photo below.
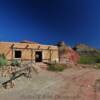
{"type": "Point", "coordinates": [32, 51]}
{"type": "Point", "coordinates": [67, 54]}
{"type": "Point", "coordinates": [29, 51]}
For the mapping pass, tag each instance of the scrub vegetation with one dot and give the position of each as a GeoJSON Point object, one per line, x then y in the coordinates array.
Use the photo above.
{"type": "Point", "coordinates": [89, 59]}
{"type": "Point", "coordinates": [3, 60]}
{"type": "Point", "coordinates": [15, 63]}
{"type": "Point", "coordinates": [57, 67]}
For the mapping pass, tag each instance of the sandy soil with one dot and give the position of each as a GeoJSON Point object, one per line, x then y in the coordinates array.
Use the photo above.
{"type": "Point", "coordinates": [72, 84]}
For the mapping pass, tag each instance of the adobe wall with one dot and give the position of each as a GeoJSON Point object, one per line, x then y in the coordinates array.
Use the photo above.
{"type": "Point", "coordinates": [49, 52]}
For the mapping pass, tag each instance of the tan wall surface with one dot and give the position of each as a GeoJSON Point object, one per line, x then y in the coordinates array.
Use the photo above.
{"type": "Point", "coordinates": [5, 48]}
{"type": "Point", "coordinates": [54, 56]}
{"type": "Point", "coordinates": [26, 54]}
{"type": "Point", "coordinates": [46, 55]}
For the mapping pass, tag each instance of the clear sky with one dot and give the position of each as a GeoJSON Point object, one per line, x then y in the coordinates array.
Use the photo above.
{"type": "Point", "coordinates": [50, 21]}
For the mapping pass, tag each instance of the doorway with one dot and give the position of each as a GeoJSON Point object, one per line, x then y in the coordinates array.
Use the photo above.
{"type": "Point", "coordinates": [38, 56]}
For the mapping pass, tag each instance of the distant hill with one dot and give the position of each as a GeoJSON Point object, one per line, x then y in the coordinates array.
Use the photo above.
{"type": "Point", "coordinates": [84, 49]}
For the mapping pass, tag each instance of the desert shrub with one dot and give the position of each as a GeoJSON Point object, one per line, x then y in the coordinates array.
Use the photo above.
{"type": "Point", "coordinates": [3, 60]}
{"type": "Point", "coordinates": [98, 59]}
{"type": "Point", "coordinates": [56, 67]}
{"type": "Point", "coordinates": [15, 63]}
{"type": "Point", "coordinates": [89, 59]}
{"type": "Point", "coordinates": [97, 66]}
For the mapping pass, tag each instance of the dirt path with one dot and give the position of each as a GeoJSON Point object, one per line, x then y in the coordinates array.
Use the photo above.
{"type": "Point", "coordinates": [72, 84]}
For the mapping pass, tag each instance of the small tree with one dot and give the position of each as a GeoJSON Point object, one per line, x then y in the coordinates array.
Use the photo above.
{"type": "Point", "coordinates": [3, 60]}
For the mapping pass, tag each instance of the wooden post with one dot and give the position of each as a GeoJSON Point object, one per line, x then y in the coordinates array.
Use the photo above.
{"type": "Point", "coordinates": [12, 53]}
{"type": "Point", "coordinates": [12, 47]}
{"type": "Point", "coordinates": [50, 55]}
{"type": "Point", "coordinates": [31, 55]}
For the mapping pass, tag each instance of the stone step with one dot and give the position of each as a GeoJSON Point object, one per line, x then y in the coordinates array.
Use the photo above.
{"type": "Point", "coordinates": [42, 65]}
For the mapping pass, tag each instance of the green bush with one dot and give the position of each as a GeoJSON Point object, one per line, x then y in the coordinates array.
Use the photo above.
{"type": "Point", "coordinates": [3, 60]}
{"type": "Point", "coordinates": [89, 59]}
{"type": "Point", "coordinates": [98, 59]}
{"type": "Point", "coordinates": [56, 67]}
{"type": "Point", "coordinates": [15, 63]}
{"type": "Point", "coordinates": [97, 66]}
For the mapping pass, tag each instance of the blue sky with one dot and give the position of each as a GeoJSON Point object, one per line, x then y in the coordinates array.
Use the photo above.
{"type": "Point", "coordinates": [51, 21]}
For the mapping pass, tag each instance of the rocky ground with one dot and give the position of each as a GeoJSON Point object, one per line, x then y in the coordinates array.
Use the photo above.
{"type": "Point", "coordinates": [71, 84]}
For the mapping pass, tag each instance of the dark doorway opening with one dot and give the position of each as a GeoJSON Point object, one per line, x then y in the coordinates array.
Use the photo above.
{"type": "Point", "coordinates": [38, 56]}
{"type": "Point", "coordinates": [18, 54]}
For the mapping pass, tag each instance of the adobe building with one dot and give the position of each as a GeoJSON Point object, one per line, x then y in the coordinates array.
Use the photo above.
{"type": "Point", "coordinates": [32, 51]}
{"type": "Point", "coordinates": [29, 51]}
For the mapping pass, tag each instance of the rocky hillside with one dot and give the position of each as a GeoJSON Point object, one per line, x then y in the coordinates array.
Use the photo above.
{"type": "Point", "coordinates": [83, 49]}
